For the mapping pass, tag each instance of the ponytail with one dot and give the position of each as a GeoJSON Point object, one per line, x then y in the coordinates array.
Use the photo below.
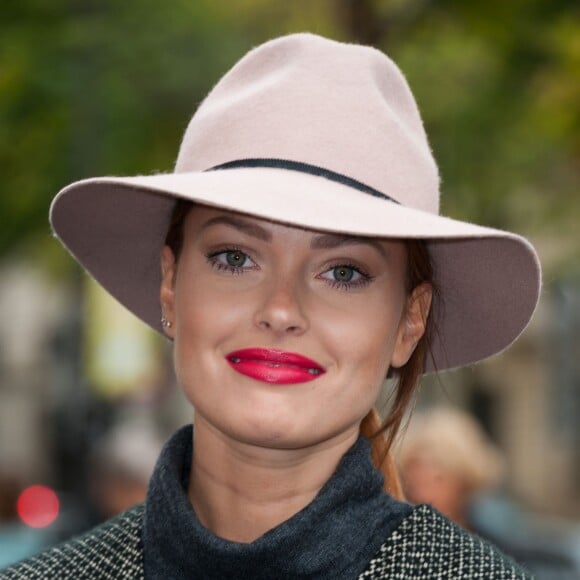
{"type": "Point", "coordinates": [381, 455]}
{"type": "Point", "coordinates": [383, 434]}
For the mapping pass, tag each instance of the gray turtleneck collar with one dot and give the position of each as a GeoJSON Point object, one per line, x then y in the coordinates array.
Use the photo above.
{"type": "Point", "coordinates": [333, 537]}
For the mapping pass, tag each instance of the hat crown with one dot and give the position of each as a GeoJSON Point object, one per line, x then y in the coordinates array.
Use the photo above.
{"type": "Point", "coordinates": [306, 99]}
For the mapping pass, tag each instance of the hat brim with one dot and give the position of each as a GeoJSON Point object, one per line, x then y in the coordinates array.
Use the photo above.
{"type": "Point", "coordinates": [489, 280]}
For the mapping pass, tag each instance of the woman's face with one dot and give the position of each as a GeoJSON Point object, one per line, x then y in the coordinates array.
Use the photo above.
{"type": "Point", "coordinates": [283, 336]}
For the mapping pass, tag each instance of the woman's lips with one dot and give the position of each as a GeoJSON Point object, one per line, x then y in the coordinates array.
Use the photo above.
{"type": "Point", "coordinates": [274, 366]}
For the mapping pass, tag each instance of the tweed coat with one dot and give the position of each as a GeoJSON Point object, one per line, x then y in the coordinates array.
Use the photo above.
{"type": "Point", "coordinates": [424, 546]}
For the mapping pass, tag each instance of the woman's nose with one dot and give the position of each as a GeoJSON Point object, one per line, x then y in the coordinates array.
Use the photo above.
{"type": "Point", "coordinates": [282, 310]}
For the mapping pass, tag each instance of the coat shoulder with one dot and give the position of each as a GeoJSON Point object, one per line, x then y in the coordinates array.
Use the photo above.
{"type": "Point", "coordinates": [427, 545]}
{"type": "Point", "coordinates": [111, 550]}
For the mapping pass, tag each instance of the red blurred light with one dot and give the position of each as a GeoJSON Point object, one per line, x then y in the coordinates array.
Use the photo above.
{"type": "Point", "coordinates": [38, 506]}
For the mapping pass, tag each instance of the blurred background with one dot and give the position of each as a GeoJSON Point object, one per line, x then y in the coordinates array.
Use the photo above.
{"type": "Point", "coordinates": [100, 87]}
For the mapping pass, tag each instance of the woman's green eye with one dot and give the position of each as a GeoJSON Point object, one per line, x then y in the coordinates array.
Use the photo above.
{"type": "Point", "coordinates": [343, 273]}
{"type": "Point", "coordinates": [345, 277]}
{"type": "Point", "coordinates": [235, 258]}
{"type": "Point", "coordinates": [232, 261]}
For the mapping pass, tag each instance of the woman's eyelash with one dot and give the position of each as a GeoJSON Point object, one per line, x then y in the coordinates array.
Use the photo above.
{"type": "Point", "coordinates": [227, 265]}
{"type": "Point", "coordinates": [342, 269]}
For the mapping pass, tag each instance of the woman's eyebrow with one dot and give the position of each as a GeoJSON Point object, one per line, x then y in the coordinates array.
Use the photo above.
{"type": "Point", "coordinates": [331, 241]}
{"type": "Point", "coordinates": [321, 242]}
{"type": "Point", "coordinates": [241, 225]}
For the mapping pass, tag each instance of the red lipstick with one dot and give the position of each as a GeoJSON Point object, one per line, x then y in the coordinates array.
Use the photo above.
{"type": "Point", "coordinates": [274, 366]}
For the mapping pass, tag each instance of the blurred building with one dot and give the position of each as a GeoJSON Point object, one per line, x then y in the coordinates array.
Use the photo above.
{"type": "Point", "coordinates": [74, 367]}
{"type": "Point", "coordinates": [528, 399]}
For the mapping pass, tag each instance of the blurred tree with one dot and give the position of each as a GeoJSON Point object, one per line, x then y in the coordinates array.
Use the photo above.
{"type": "Point", "coordinates": [500, 93]}
{"type": "Point", "coordinates": [104, 87]}
{"type": "Point", "coordinates": [95, 87]}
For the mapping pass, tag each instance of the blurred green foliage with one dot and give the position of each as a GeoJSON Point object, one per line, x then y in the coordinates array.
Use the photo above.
{"type": "Point", "coordinates": [96, 87]}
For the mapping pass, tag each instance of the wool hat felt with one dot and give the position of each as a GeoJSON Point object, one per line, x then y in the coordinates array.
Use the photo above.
{"type": "Point", "coordinates": [322, 135]}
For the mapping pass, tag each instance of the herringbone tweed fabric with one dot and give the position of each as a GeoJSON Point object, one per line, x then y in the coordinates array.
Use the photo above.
{"type": "Point", "coordinates": [428, 546]}
{"type": "Point", "coordinates": [425, 546]}
{"type": "Point", "coordinates": [110, 551]}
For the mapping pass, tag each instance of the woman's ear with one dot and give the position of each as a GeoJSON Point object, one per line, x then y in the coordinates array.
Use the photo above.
{"type": "Point", "coordinates": [167, 290]}
{"type": "Point", "coordinates": [413, 324]}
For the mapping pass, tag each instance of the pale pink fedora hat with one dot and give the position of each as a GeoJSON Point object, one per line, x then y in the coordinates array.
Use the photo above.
{"type": "Point", "coordinates": [322, 135]}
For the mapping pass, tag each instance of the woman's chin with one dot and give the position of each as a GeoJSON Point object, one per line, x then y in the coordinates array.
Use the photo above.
{"type": "Point", "coordinates": [285, 431]}
{"type": "Point", "coordinates": [276, 432]}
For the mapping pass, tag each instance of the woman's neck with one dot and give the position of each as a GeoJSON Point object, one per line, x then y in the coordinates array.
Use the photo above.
{"type": "Point", "coordinates": [241, 491]}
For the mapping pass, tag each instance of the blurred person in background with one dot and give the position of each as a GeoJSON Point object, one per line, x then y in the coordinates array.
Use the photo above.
{"type": "Point", "coordinates": [120, 466]}
{"type": "Point", "coordinates": [296, 258]}
{"type": "Point", "coordinates": [448, 461]}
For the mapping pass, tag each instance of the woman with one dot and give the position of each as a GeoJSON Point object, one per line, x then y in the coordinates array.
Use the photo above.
{"type": "Point", "coordinates": [302, 261]}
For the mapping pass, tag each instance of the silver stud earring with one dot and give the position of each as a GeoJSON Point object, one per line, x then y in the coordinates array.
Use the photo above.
{"type": "Point", "coordinates": [165, 323]}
